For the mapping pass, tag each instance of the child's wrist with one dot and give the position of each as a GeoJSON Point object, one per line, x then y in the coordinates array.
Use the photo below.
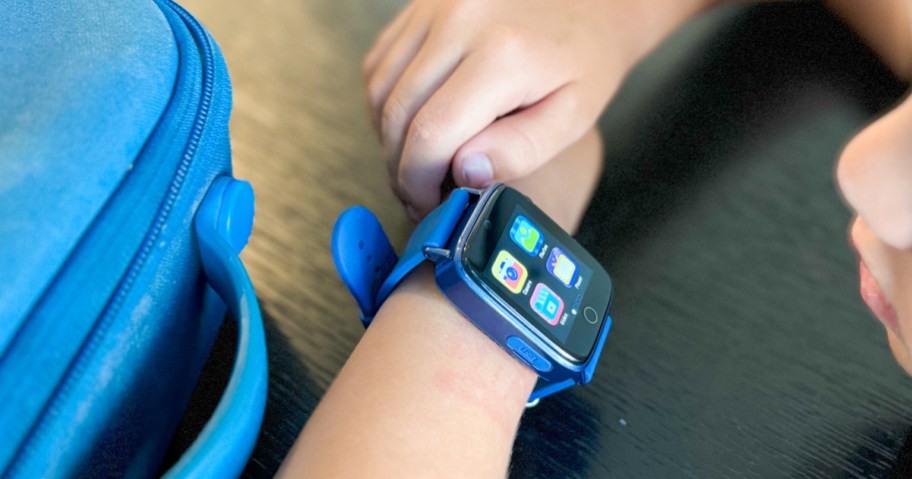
{"type": "Point", "coordinates": [467, 364]}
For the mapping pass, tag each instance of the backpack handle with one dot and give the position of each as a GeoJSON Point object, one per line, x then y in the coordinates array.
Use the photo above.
{"type": "Point", "coordinates": [223, 224]}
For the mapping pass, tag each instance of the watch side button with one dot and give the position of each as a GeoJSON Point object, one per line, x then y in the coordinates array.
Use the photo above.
{"type": "Point", "coordinates": [528, 355]}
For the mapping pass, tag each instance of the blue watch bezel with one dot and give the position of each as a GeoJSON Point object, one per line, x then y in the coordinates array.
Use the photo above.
{"type": "Point", "coordinates": [489, 312]}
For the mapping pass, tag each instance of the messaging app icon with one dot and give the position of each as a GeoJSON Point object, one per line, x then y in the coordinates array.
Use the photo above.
{"type": "Point", "coordinates": [510, 272]}
{"type": "Point", "coordinates": [528, 237]}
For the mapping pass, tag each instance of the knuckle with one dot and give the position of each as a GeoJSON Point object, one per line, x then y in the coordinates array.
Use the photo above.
{"type": "Point", "coordinates": [392, 118]}
{"type": "Point", "coordinates": [427, 128]}
{"type": "Point", "coordinates": [508, 43]}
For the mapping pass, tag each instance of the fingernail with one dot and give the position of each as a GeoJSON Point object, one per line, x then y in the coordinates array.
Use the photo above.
{"type": "Point", "coordinates": [477, 170]}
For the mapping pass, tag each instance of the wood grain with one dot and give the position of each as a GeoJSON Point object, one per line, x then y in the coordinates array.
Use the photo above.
{"type": "Point", "coordinates": [740, 346]}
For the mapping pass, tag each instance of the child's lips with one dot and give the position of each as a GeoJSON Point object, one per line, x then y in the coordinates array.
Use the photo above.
{"type": "Point", "coordinates": [877, 302]}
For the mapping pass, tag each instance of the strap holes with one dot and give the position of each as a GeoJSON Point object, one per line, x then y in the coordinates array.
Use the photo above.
{"type": "Point", "coordinates": [361, 244]}
{"type": "Point", "coordinates": [370, 256]}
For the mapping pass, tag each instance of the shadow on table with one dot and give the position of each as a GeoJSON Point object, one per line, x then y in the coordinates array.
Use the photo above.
{"type": "Point", "coordinates": [556, 438]}
{"type": "Point", "coordinates": [869, 459]}
{"type": "Point", "coordinates": [286, 410]}
{"type": "Point", "coordinates": [716, 93]}
{"type": "Point", "coordinates": [902, 466]}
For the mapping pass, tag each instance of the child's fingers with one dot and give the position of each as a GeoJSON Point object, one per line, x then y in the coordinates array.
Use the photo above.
{"type": "Point", "coordinates": [400, 53]}
{"type": "Point", "coordinates": [433, 64]}
{"type": "Point", "coordinates": [482, 88]}
{"type": "Point", "coordinates": [385, 40]}
{"type": "Point", "coordinates": [518, 144]}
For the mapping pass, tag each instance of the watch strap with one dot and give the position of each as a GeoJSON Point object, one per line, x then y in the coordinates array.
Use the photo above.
{"type": "Point", "coordinates": [363, 255]}
{"type": "Point", "coordinates": [434, 231]}
{"type": "Point", "coordinates": [366, 261]}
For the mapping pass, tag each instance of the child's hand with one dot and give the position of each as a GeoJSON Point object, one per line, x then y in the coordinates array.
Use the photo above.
{"type": "Point", "coordinates": [494, 88]}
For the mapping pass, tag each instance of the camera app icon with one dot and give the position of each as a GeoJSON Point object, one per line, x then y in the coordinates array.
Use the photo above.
{"type": "Point", "coordinates": [510, 272]}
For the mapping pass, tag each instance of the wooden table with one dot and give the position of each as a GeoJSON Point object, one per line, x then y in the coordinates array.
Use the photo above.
{"type": "Point", "coordinates": [740, 347]}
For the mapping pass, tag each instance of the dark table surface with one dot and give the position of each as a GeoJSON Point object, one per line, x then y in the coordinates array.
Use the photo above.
{"type": "Point", "coordinates": [740, 346]}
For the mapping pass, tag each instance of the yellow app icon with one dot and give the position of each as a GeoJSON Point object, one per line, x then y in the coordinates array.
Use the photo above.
{"type": "Point", "coordinates": [510, 272]}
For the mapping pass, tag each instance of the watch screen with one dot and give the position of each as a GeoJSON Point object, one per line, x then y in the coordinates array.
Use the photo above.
{"type": "Point", "coordinates": [541, 272]}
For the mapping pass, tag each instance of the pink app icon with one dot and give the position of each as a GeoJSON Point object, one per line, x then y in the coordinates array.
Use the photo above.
{"type": "Point", "coordinates": [547, 304]}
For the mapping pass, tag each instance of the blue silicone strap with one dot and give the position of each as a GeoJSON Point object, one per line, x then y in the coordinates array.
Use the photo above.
{"type": "Point", "coordinates": [544, 388]}
{"type": "Point", "coordinates": [364, 257]}
{"type": "Point", "coordinates": [366, 261]}
{"type": "Point", "coordinates": [434, 231]}
{"type": "Point", "coordinates": [223, 223]}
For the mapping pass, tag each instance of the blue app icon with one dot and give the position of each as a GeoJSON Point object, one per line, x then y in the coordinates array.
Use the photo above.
{"type": "Point", "coordinates": [528, 237]}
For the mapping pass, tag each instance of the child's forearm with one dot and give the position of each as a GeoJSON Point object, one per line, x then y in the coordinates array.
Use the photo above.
{"type": "Point", "coordinates": [425, 394]}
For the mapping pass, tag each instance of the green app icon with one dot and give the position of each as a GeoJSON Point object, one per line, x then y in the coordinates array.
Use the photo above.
{"type": "Point", "coordinates": [525, 235]}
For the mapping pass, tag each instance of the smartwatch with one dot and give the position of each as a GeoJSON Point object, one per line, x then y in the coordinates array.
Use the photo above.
{"type": "Point", "coordinates": [505, 265]}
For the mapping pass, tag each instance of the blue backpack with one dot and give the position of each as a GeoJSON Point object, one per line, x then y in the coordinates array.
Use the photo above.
{"type": "Point", "coordinates": [120, 228]}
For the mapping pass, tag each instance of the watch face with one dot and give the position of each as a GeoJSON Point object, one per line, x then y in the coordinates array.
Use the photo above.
{"type": "Point", "coordinates": [540, 272]}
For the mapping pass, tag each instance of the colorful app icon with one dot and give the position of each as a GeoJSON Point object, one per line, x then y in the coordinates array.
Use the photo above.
{"type": "Point", "coordinates": [526, 236]}
{"type": "Point", "coordinates": [509, 272]}
{"type": "Point", "coordinates": [562, 267]}
{"type": "Point", "coordinates": [547, 304]}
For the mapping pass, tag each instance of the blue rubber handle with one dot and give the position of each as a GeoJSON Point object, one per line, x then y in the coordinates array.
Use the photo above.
{"type": "Point", "coordinates": [223, 224]}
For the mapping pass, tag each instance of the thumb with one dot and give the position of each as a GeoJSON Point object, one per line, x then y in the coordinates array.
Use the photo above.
{"type": "Point", "coordinates": [518, 144]}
